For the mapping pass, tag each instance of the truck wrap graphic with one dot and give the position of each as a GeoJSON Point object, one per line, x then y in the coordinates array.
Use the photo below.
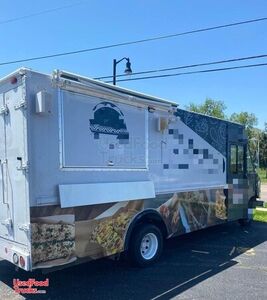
{"type": "Point", "coordinates": [95, 231]}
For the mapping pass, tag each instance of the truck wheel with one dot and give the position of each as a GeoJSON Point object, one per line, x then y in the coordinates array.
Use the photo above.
{"type": "Point", "coordinates": [146, 245]}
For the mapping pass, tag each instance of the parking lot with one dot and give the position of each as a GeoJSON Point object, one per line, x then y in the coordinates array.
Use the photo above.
{"type": "Point", "coordinates": [224, 262]}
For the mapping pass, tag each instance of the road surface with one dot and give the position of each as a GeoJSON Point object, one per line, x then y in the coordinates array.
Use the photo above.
{"type": "Point", "coordinates": [223, 262]}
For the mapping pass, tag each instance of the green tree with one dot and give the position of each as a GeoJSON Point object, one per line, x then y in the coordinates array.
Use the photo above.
{"type": "Point", "coordinates": [249, 120]}
{"type": "Point", "coordinates": [210, 107]}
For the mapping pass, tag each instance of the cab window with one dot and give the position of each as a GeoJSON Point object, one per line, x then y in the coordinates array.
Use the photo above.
{"type": "Point", "coordinates": [237, 159]}
{"type": "Point", "coordinates": [233, 159]}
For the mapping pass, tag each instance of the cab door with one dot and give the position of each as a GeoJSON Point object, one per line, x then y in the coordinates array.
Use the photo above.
{"type": "Point", "coordinates": [237, 180]}
{"type": "Point", "coordinates": [253, 179]}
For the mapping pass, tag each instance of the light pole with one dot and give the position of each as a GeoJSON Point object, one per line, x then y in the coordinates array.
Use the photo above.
{"type": "Point", "coordinates": [128, 69]}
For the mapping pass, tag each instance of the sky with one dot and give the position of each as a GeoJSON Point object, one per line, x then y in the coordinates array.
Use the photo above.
{"type": "Point", "coordinates": [97, 23]}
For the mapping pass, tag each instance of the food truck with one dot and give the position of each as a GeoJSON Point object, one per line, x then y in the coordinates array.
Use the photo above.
{"type": "Point", "coordinates": [90, 170]}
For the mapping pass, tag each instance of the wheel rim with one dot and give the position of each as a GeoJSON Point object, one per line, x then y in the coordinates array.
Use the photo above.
{"type": "Point", "coordinates": [149, 246]}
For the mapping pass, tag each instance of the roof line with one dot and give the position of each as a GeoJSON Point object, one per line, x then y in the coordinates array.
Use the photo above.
{"type": "Point", "coordinates": [79, 78]}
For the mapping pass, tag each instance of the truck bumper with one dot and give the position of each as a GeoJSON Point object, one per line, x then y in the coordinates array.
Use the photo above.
{"type": "Point", "coordinates": [17, 254]}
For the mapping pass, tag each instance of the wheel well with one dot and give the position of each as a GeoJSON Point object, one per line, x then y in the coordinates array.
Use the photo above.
{"type": "Point", "coordinates": [147, 217]}
{"type": "Point", "coordinates": [252, 202]}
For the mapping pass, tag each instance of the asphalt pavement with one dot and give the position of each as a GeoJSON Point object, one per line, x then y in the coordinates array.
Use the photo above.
{"type": "Point", "coordinates": [223, 262]}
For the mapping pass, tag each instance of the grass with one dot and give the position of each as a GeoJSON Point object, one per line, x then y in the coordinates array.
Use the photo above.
{"type": "Point", "coordinates": [259, 215]}
{"type": "Point", "coordinates": [262, 174]}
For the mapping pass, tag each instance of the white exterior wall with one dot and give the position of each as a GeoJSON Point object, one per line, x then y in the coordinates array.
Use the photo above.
{"type": "Point", "coordinates": [45, 166]}
{"type": "Point", "coordinates": [63, 151]}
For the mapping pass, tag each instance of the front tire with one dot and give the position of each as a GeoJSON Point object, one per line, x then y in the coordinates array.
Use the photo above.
{"type": "Point", "coordinates": [146, 245]}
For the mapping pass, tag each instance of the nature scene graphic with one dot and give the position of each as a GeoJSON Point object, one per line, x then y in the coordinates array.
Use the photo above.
{"type": "Point", "coordinates": [108, 119]}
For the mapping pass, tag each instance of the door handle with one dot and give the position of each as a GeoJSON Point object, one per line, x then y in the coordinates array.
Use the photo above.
{"type": "Point", "coordinates": [7, 222]}
{"type": "Point", "coordinates": [4, 110]}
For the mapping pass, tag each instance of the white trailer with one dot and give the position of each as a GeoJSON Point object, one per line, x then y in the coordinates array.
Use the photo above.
{"type": "Point", "coordinates": [90, 170]}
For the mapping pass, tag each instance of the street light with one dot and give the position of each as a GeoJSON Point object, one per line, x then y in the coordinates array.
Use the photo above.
{"type": "Point", "coordinates": [128, 69]}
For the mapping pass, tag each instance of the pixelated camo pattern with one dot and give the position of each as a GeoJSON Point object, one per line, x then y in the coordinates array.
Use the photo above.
{"type": "Point", "coordinates": [238, 191]}
{"type": "Point", "coordinates": [184, 149]}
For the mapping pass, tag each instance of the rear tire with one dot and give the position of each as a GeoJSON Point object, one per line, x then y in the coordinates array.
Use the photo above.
{"type": "Point", "coordinates": [146, 245]}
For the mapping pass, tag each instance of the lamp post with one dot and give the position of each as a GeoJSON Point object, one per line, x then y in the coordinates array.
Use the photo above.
{"type": "Point", "coordinates": [128, 69]}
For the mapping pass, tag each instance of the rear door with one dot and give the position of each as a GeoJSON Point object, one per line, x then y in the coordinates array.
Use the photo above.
{"type": "Point", "coordinates": [16, 156]}
{"type": "Point", "coordinates": [5, 206]}
{"type": "Point", "coordinates": [14, 208]}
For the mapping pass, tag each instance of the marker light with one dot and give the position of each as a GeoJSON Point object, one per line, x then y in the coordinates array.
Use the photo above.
{"type": "Point", "coordinates": [13, 80]}
{"type": "Point", "coordinates": [15, 258]}
{"type": "Point", "coordinates": [22, 261]}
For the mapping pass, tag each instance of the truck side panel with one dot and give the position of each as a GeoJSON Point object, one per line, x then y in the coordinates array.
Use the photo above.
{"type": "Point", "coordinates": [187, 162]}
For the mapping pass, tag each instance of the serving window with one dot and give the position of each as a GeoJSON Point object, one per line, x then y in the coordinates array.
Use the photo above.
{"type": "Point", "coordinates": [97, 133]}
